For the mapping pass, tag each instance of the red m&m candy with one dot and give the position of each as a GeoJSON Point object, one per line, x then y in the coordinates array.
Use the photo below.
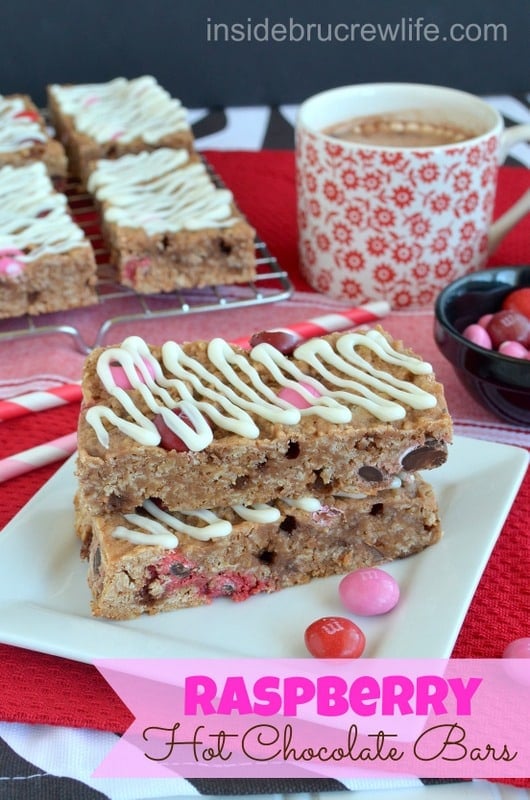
{"type": "Point", "coordinates": [168, 439]}
{"type": "Point", "coordinates": [334, 637]}
{"type": "Point", "coordinates": [518, 300]}
{"type": "Point", "coordinates": [285, 341]}
{"type": "Point", "coordinates": [509, 326]}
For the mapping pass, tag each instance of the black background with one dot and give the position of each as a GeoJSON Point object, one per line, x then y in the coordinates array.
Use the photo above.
{"type": "Point", "coordinates": [46, 41]}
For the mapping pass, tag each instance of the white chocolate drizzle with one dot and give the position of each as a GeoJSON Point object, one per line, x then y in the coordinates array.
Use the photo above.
{"type": "Point", "coordinates": [309, 504]}
{"type": "Point", "coordinates": [18, 129]}
{"type": "Point", "coordinates": [237, 396]}
{"type": "Point", "coordinates": [151, 528]}
{"type": "Point", "coordinates": [122, 110]}
{"type": "Point", "coordinates": [34, 219]}
{"type": "Point", "coordinates": [160, 191]}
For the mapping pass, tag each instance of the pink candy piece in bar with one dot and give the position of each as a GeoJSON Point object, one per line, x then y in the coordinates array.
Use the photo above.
{"type": "Point", "coordinates": [120, 378]}
{"type": "Point", "coordinates": [9, 263]}
{"type": "Point", "coordinates": [295, 398]}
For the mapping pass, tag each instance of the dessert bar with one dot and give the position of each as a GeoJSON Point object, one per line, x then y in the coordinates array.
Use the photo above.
{"type": "Point", "coordinates": [108, 120]}
{"type": "Point", "coordinates": [194, 424]}
{"type": "Point", "coordinates": [159, 560]}
{"type": "Point", "coordinates": [168, 226]}
{"type": "Point", "coordinates": [24, 138]}
{"type": "Point", "coordinates": [46, 262]}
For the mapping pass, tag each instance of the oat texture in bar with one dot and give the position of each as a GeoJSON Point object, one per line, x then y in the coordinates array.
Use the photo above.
{"type": "Point", "coordinates": [191, 425]}
{"type": "Point", "coordinates": [157, 559]}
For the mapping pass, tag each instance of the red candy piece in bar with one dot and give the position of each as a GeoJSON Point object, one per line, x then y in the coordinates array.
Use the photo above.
{"type": "Point", "coordinates": [28, 114]}
{"type": "Point", "coordinates": [170, 440]}
{"type": "Point", "coordinates": [284, 341]}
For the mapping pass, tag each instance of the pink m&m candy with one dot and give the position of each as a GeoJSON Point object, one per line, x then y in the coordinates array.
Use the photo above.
{"type": "Point", "coordinates": [513, 349]}
{"type": "Point", "coordinates": [295, 398]}
{"type": "Point", "coordinates": [478, 335]}
{"type": "Point", "coordinates": [519, 648]}
{"type": "Point", "coordinates": [119, 376]}
{"type": "Point", "coordinates": [369, 591]}
{"type": "Point", "coordinates": [517, 655]}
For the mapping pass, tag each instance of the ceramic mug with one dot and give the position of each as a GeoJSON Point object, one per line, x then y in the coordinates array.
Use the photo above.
{"type": "Point", "coordinates": [392, 222]}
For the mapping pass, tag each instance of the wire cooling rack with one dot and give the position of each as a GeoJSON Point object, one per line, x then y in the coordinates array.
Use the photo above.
{"type": "Point", "coordinates": [271, 285]}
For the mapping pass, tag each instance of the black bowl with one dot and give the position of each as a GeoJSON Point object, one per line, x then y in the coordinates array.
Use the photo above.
{"type": "Point", "coordinates": [500, 383]}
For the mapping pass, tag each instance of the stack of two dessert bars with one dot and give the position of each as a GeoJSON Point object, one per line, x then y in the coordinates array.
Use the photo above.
{"type": "Point", "coordinates": [209, 471]}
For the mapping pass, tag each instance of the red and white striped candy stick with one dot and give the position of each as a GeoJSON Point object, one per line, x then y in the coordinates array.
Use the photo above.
{"type": "Point", "coordinates": [38, 456]}
{"type": "Point", "coordinates": [290, 336]}
{"type": "Point", "coordinates": [39, 401]}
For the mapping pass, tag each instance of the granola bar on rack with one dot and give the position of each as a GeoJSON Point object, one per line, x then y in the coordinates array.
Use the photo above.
{"type": "Point", "coordinates": [109, 120]}
{"type": "Point", "coordinates": [24, 138]}
{"type": "Point", "coordinates": [168, 226]}
{"type": "Point", "coordinates": [46, 261]}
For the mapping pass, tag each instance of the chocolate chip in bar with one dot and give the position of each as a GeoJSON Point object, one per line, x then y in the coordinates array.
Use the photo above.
{"type": "Point", "coordinates": [428, 456]}
{"type": "Point", "coordinates": [371, 474]}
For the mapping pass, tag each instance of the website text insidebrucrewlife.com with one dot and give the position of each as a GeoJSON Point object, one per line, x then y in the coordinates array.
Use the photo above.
{"type": "Point", "coordinates": [402, 30]}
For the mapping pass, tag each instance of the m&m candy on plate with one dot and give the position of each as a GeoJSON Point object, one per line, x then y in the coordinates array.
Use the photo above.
{"type": "Point", "coordinates": [334, 637]}
{"type": "Point", "coordinates": [369, 591]}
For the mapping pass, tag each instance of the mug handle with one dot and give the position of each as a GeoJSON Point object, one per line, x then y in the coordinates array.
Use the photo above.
{"type": "Point", "coordinates": [501, 226]}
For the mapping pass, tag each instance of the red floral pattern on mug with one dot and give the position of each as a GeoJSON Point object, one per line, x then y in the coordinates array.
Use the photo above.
{"type": "Point", "coordinates": [377, 245]}
{"type": "Point", "coordinates": [429, 172]}
{"type": "Point", "coordinates": [392, 224]}
{"type": "Point", "coordinates": [402, 196]}
{"type": "Point", "coordinates": [350, 178]}
{"type": "Point", "coordinates": [354, 260]}
{"type": "Point", "coordinates": [384, 273]}
{"type": "Point", "coordinates": [314, 207]}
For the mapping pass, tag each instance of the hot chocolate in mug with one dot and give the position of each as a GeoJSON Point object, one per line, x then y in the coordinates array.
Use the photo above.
{"type": "Point", "coordinates": [396, 189]}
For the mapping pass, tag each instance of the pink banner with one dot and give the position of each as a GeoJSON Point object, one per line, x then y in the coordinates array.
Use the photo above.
{"type": "Point", "coordinates": [297, 718]}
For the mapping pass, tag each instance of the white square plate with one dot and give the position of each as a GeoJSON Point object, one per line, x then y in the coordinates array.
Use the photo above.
{"type": "Point", "coordinates": [45, 601]}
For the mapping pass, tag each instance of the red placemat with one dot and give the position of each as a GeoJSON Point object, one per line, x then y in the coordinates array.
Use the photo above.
{"type": "Point", "coordinates": [45, 689]}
